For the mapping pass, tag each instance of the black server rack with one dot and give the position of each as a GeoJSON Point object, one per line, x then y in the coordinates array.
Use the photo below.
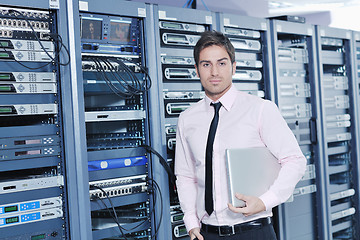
{"type": "Point", "coordinates": [115, 86]}
{"type": "Point", "coordinates": [33, 192]}
{"type": "Point", "coordinates": [296, 87]}
{"type": "Point", "coordinates": [340, 136]}
{"type": "Point", "coordinates": [176, 33]}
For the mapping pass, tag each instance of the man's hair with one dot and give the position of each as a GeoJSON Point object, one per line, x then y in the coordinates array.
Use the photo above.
{"type": "Point", "coordinates": [210, 38]}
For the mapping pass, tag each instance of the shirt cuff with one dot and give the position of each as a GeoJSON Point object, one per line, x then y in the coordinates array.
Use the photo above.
{"type": "Point", "coordinates": [191, 222]}
{"type": "Point", "coordinates": [270, 200]}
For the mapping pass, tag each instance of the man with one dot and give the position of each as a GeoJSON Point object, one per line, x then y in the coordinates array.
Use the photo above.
{"type": "Point", "coordinates": [242, 121]}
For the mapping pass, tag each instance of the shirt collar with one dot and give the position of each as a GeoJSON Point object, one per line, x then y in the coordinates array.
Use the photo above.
{"type": "Point", "coordinates": [227, 100]}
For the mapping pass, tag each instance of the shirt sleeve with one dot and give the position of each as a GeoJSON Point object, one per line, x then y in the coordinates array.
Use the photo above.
{"type": "Point", "coordinates": [186, 179]}
{"type": "Point", "coordinates": [281, 141]}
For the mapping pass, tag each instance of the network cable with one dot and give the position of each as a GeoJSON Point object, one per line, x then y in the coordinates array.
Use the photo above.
{"type": "Point", "coordinates": [162, 162]}
{"type": "Point", "coordinates": [121, 80]}
{"type": "Point", "coordinates": [114, 217]}
{"type": "Point", "coordinates": [56, 37]}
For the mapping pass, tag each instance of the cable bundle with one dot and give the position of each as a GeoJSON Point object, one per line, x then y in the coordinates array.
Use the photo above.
{"type": "Point", "coordinates": [54, 36]}
{"type": "Point", "coordinates": [121, 80]}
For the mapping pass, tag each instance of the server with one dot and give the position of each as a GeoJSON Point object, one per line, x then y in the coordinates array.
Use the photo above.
{"type": "Point", "coordinates": [340, 135]}
{"type": "Point", "coordinates": [176, 33]}
{"type": "Point", "coordinates": [115, 84]}
{"type": "Point", "coordinates": [33, 186]}
{"type": "Point", "coordinates": [294, 59]}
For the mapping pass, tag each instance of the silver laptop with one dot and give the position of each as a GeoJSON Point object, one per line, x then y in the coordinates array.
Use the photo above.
{"type": "Point", "coordinates": [250, 171]}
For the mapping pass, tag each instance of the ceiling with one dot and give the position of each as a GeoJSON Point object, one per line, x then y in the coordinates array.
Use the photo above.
{"type": "Point", "coordinates": [301, 7]}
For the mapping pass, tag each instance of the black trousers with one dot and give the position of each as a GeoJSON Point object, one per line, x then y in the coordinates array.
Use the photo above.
{"type": "Point", "coordinates": [264, 233]}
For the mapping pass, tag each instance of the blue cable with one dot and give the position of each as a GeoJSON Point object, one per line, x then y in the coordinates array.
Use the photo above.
{"type": "Point", "coordinates": [190, 3]}
{"type": "Point", "coordinates": [205, 5]}
{"type": "Point", "coordinates": [187, 2]}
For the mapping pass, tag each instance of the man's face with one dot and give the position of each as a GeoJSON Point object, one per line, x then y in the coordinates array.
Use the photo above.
{"type": "Point", "coordinates": [91, 28]}
{"type": "Point", "coordinates": [215, 71]}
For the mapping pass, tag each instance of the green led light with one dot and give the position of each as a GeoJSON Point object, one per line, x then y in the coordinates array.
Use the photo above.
{"type": "Point", "coordinates": [37, 237]}
{"type": "Point", "coordinates": [5, 110]}
{"type": "Point", "coordinates": [10, 209]}
{"type": "Point", "coordinates": [4, 44]}
{"type": "Point", "coordinates": [12, 220]}
{"type": "Point", "coordinates": [4, 55]}
{"type": "Point", "coordinates": [5, 77]}
{"type": "Point", "coordinates": [5, 88]}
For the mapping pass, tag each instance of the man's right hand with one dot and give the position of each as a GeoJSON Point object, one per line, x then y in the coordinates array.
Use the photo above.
{"type": "Point", "coordinates": [195, 233]}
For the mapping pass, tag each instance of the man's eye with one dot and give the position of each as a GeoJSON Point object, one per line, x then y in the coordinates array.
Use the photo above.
{"type": "Point", "coordinates": [222, 63]}
{"type": "Point", "coordinates": [206, 65]}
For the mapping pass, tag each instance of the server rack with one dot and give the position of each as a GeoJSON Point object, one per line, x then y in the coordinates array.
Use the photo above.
{"type": "Point", "coordinates": [176, 33]}
{"type": "Point", "coordinates": [296, 87]}
{"type": "Point", "coordinates": [356, 94]}
{"type": "Point", "coordinates": [115, 100]}
{"type": "Point", "coordinates": [340, 135]}
{"type": "Point", "coordinates": [34, 158]}
{"type": "Point", "coordinates": [251, 39]}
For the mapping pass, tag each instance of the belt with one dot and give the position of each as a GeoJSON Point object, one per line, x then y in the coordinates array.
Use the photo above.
{"type": "Point", "coordinates": [238, 228]}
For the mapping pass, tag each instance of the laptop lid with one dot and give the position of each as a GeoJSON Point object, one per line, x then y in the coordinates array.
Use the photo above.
{"type": "Point", "coordinates": [250, 171]}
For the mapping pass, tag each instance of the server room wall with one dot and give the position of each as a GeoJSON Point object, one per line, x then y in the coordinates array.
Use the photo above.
{"type": "Point", "coordinates": [90, 93]}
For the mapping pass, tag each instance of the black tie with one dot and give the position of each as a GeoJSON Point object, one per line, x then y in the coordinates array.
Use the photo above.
{"type": "Point", "coordinates": [209, 204]}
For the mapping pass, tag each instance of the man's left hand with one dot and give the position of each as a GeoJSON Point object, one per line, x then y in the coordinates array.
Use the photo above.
{"type": "Point", "coordinates": [253, 205]}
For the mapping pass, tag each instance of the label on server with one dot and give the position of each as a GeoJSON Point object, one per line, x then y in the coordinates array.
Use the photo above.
{"type": "Point", "coordinates": [339, 137]}
{"type": "Point", "coordinates": [103, 116]}
{"type": "Point", "coordinates": [301, 73]}
{"type": "Point", "coordinates": [295, 89]}
{"type": "Point", "coordinates": [38, 77]}
{"type": "Point", "coordinates": [180, 73]}
{"type": "Point", "coordinates": [335, 82]}
{"type": "Point", "coordinates": [31, 184]}
{"type": "Point", "coordinates": [184, 94]}
{"type": "Point", "coordinates": [331, 41]}
{"type": "Point", "coordinates": [28, 206]}
{"type": "Point", "coordinates": [342, 214]}
{"type": "Point", "coordinates": [26, 88]}
{"type": "Point", "coordinates": [28, 109]}
{"type": "Point", "coordinates": [177, 60]}
{"type": "Point", "coordinates": [180, 39]}
{"type": "Point", "coordinates": [342, 194]}
{"type": "Point", "coordinates": [247, 75]}
{"type": "Point", "coordinates": [296, 111]}
{"type": "Point", "coordinates": [292, 55]}
{"type": "Point", "coordinates": [31, 217]}
{"type": "Point", "coordinates": [27, 45]}
{"type": "Point", "coordinates": [181, 26]}
{"type": "Point", "coordinates": [246, 44]}
{"type": "Point", "coordinates": [242, 32]}
{"type": "Point", "coordinates": [29, 141]}
{"type": "Point", "coordinates": [180, 231]}
{"type": "Point", "coordinates": [249, 63]}
{"type": "Point", "coordinates": [304, 190]}
{"type": "Point", "coordinates": [22, 153]}
{"type": "Point", "coordinates": [177, 108]}
{"type": "Point", "coordinates": [27, 56]}
{"type": "Point", "coordinates": [339, 102]}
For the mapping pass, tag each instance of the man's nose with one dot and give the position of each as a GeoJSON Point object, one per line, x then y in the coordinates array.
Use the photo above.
{"type": "Point", "coordinates": [214, 70]}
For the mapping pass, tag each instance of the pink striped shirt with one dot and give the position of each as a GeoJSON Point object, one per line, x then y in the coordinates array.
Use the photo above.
{"type": "Point", "coordinates": [245, 121]}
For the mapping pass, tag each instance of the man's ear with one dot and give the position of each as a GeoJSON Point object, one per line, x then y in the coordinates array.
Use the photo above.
{"type": "Point", "coordinates": [233, 68]}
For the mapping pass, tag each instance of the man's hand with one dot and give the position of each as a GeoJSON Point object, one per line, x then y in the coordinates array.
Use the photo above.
{"type": "Point", "coordinates": [253, 205]}
{"type": "Point", "coordinates": [195, 233]}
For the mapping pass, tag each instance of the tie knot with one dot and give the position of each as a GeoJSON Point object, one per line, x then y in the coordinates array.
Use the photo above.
{"type": "Point", "coordinates": [216, 106]}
